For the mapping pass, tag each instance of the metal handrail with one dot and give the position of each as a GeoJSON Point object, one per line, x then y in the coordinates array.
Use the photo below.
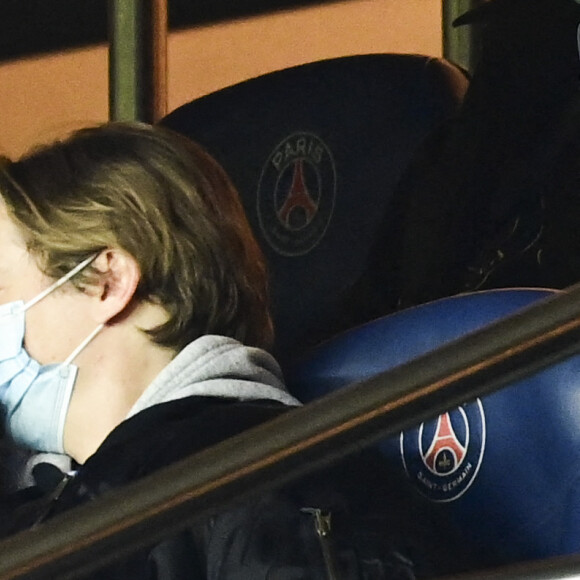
{"type": "Point", "coordinates": [137, 60]}
{"type": "Point", "coordinates": [561, 568]}
{"type": "Point", "coordinates": [460, 45]}
{"type": "Point", "coordinates": [298, 442]}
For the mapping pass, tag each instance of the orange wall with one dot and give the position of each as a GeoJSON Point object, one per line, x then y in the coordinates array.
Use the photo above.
{"type": "Point", "coordinates": [41, 98]}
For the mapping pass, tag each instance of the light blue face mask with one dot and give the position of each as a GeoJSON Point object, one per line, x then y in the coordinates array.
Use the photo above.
{"type": "Point", "coordinates": [34, 397]}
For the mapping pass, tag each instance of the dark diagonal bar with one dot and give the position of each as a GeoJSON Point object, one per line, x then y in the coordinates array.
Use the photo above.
{"type": "Point", "coordinates": [561, 568]}
{"type": "Point", "coordinates": [298, 442]}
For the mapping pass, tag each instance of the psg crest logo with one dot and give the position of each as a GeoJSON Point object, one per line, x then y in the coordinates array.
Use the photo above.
{"type": "Point", "coordinates": [296, 194]}
{"type": "Point", "coordinates": [443, 457]}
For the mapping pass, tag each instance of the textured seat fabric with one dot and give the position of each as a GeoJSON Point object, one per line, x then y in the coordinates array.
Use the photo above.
{"type": "Point", "coordinates": [505, 467]}
{"type": "Point", "coordinates": [316, 152]}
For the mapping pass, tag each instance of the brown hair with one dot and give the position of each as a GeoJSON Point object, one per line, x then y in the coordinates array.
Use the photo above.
{"type": "Point", "coordinates": [162, 199]}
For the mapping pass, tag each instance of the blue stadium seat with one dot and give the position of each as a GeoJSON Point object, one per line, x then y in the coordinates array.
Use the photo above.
{"type": "Point", "coordinates": [316, 152]}
{"type": "Point", "coordinates": [506, 467]}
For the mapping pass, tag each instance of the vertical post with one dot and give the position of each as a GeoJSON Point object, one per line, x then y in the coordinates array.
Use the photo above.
{"type": "Point", "coordinates": [461, 44]}
{"type": "Point", "coordinates": [137, 60]}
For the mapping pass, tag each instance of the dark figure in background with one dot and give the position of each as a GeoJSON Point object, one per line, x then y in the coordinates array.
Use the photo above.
{"type": "Point", "coordinates": [493, 198]}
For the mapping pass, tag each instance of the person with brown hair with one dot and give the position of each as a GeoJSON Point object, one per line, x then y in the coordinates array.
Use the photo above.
{"type": "Point", "coordinates": [168, 265]}
{"type": "Point", "coordinates": [134, 332]}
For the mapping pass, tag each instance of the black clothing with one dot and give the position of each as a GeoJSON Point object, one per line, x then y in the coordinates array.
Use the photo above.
{"type": "Point", "coordinates": [491, 200]}
{"type": "Point", "coordinates": [378, 530]}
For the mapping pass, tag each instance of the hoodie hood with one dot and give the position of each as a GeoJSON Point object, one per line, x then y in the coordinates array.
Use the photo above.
{"type": "Point", "coordinates": [217, 366]}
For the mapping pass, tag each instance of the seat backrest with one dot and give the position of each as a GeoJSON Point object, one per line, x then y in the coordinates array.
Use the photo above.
{"type": "Point", "coordinates": [316, 151]}
{"type": "Point", "coordinates": [505, 467]}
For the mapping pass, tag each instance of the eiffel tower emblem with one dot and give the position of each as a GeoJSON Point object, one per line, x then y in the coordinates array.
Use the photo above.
{"type": "Point", "coordinates": [446, 453]}
{"type": "Point", "coordinates": [298, 197]}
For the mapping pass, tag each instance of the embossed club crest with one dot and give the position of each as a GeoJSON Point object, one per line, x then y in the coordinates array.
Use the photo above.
{"type": "Point", "coordinates": [296, 194]}
{"type": "Point", "coordinates": [443, 457]}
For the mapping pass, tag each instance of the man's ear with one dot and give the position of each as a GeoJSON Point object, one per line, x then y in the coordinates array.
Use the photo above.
{"type": "Point", "coordinates": [119, 275]}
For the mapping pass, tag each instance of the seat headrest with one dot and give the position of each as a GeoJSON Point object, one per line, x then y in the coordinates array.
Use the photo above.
{"type": "Point", "coordinates": [315, 152]}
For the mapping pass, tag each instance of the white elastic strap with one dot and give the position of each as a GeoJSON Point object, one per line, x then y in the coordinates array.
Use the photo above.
{"type": "Point", "coordinates": [83, 344]}
{"type": "Point", "coordinates": [59, 282]}
{"type": "Point", "coordinates": [63, 405]}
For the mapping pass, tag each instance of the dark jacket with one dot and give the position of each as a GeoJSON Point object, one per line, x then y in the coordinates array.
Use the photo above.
{"type": "Point", "coordinates": [378, 530]}
{"type": "Point", "coordinates": [491, 199]}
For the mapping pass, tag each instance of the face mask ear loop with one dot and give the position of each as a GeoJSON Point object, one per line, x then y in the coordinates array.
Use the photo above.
{"type": "Point", "coordinates": [82, 345]}
{"type": "Point", "coordinates": [59, 282]}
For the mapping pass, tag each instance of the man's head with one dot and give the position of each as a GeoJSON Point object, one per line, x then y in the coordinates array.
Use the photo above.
{"type": "Point", "coordinates": [165, 202]}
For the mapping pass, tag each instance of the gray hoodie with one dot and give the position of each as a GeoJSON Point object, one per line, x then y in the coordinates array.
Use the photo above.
{"type": "Point", "coordinates": [217, 366]}
{"type": "Point", "coordinates": [211, 366]}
